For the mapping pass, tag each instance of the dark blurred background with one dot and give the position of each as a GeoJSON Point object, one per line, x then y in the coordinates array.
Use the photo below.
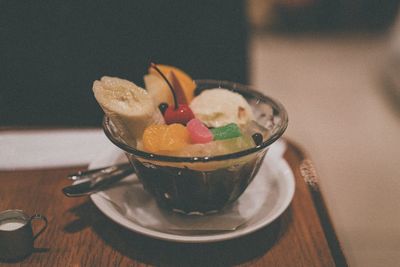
{"type": "Point", "coordinates": [52, 51]}
{"type": "Point", "coordinates": [332, 15]}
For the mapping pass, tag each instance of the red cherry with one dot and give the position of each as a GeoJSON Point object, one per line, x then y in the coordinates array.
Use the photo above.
{"type": "Point", "coordinates": [183, 114]}
{"type": "Point", "coordinates": [180, 112]}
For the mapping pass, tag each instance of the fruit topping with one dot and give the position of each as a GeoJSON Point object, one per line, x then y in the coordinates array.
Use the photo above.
{"type": "Point", "coordinates": [163, 107]}
{"type": "Point", "coordinates": [129, 107]}
{"type": "Point", "coordinates": [179, 112]}
{"type": "Point", "coordinates": [182, 114]}
{"type": "Point", "coordinates": [167, 119]}
{"type": "Point", "coordinates": [165, 139]}
{"type": "Point", "coordinates": [228, 131]}
{"type": "Point", "coordinates": [187, 83]}
{"type": "Point", "coordinates": [198, 132]}
{"type": "Point", "coordinates": [157, 89]}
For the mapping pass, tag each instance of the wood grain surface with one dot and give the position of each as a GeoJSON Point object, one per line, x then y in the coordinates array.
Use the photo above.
{"type": "Point", "coordinates": [80, 235]}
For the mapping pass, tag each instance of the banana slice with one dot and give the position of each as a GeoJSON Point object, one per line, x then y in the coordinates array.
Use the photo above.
{"type": "Point", "coordinates": [128, 106]}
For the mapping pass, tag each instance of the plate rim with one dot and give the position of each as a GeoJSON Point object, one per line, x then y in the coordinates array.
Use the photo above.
{"type": "Point", "coordinates": [106, 208]}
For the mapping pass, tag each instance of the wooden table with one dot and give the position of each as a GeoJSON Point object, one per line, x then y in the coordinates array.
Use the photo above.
{"type": "Point", "coordinates": [80, 235]}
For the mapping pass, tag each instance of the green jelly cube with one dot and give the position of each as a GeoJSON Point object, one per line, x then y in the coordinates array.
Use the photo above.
{"type": "Point", "coordinates": [228, 131]}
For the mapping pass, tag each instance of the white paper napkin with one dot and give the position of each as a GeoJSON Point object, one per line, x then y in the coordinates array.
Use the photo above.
{"type": "Point", "coordinates": [50, 148]}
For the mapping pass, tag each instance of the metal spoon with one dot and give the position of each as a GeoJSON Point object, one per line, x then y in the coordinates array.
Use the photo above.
{"type": "Point", "coordinates": [96, 180]}
{"type": "Point", "coordinates": [93, 173]}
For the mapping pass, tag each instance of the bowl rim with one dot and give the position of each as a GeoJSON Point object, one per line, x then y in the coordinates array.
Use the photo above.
{"type": "Point", "coordinates": [233, 86]}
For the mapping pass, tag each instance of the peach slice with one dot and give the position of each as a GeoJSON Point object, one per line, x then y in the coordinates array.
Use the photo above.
{"type": "Point", "coordinates": [158, 89]}
{"type": "Point", "coordinates": [186, 82]}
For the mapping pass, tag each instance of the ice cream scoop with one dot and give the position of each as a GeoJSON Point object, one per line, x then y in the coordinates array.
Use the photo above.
{"type": "Point", "coordinates": [218, 107]}
{"type": "Point", "coordinates": [128, 106]}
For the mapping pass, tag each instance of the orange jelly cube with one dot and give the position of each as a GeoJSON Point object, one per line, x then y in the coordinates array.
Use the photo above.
{"type": "Point", "coordinates": [165, 139]}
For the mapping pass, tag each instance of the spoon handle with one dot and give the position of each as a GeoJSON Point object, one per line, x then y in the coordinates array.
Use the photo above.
{"type": "Point", "coordinates": [93, 173]}
{"type": "Point", "coordinates": [96, 184]}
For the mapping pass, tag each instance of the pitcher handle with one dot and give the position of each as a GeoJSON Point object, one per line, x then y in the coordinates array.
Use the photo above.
{"type": "Point", "coordinates": [39, 217]}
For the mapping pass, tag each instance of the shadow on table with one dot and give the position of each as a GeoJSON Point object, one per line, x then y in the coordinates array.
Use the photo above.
{"type": "Point", "coordinates": [158, 252]}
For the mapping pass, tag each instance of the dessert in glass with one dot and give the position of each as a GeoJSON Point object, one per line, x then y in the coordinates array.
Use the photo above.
{"type": "Point", "coordinates": [195, 144]}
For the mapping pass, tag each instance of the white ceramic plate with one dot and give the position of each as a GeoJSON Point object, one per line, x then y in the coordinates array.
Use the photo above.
{"type": "Point", "coordinates": [264, 200]}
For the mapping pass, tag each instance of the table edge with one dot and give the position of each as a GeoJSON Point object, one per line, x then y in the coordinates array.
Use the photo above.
{"type": "Point", "coordinates": [311, 178]}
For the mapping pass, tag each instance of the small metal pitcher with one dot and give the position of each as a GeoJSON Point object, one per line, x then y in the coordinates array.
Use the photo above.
{"type": "Point", "coordinates": [16, 235]}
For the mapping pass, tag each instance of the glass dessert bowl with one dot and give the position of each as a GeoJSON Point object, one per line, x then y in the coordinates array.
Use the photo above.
{"type": "Point", "coordinates": [206, 184]}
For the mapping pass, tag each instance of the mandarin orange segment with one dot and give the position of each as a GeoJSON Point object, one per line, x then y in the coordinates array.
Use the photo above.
{"type": "Point", "coordinates": [165, 139]}
{"type": "Point", "coordinates": [185, 80]}
{"type": "Point", "coordinates": [153, 136]}
{"type": "Point", "coordinates": [175, 138]}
